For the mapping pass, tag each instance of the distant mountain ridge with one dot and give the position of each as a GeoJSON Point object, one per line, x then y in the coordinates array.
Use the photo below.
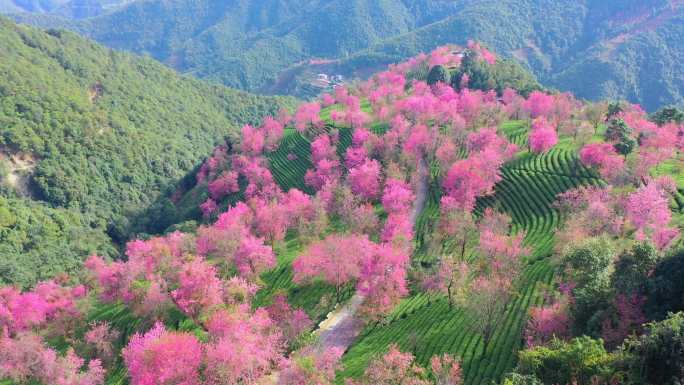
{"type": "Point", "coordinates": [76, 9]}
{"type": "Point", "coordinates": [596, 49]}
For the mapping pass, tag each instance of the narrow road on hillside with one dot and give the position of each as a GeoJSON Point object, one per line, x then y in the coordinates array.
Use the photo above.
{"type": "Point", "coordinates": [421, 190]}
{"type": "Point", "coordinates": [342, 326]}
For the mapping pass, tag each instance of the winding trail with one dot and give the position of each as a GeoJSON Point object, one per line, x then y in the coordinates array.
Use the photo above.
{"type": "Point", "coordinates": [421, 190]}
{"type": "Point", "coordinates": [341, 327]}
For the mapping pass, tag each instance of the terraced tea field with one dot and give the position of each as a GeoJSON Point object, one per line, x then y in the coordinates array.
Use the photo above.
{"type": "Point", "coordinates": [427, 326]}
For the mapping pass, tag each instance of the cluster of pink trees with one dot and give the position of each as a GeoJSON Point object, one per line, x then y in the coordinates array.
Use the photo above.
{"type": "Point", "coordinates": [308, 116]}
{"type": "Point", "coordinates": [397, 200]}
{"type": "Point", "coordinates": [26, 318]}
{"type": "Point", "coordinates": [379, 270]}
{"type": "Point", "coordinates": [484, 284]}
{"type": "Point", "coordinates": [397, 367]}
{"type": "Point", "coordinates": [308, 367]}
{"type": "Point", "coordinates": [656, 145]}
{"type": "Point", "coordinates": [25, 358]}
{"type": "Point", "coordinates": [548, 322]}
{"type": "Point", "coordinates": [555, 108]}
{"type": "Point", "coordinates": [364, 179]}
{"type": "Point", "coordinates": [595, 211]}
{"type": "Point", "coordinates": [222, 170]}
{"type": "Point", "coordinates": [648, 210]}
{"type": "Point", "coordinates": [188, 273]}
{"type": "Point", "coordinates": [604, 157]}
{"type": "Point", "coordinates": [633, 208]}
{"type": "Point", "coordinates": [326, 163]}
{"type": "Point", "coordinates": [241, 348]}
{"type": "Point", "coordinates": [543, 136]}
{"type": "Point", "coordinates": [473, 177]}
{"type": "Point", "coordinates": [351, 113]}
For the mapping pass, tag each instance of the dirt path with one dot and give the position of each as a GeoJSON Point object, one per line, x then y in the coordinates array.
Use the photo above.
{"type": "Point", "coordinates": [421, 190]}
{"type": "Point", "coordinates": [341, 327]}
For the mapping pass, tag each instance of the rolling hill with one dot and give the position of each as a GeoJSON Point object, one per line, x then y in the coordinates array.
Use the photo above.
{"type": "Point", "coordinates": [630, 48]}
{"type": "Point", "coordinates": [89, 138]}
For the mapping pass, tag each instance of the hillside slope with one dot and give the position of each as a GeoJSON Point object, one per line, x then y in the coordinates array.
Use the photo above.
{"type": "Point", "coordinates": [99, 133]}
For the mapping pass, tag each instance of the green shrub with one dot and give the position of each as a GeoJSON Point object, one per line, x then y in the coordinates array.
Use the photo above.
{"type": "Point", "coordinates": [665, 287]}
{"type": "Point", "coordinates": [657, 357]}
{"type": "Point", "coordinates": [581, 360]}
{"type": "Point", "coordinates": [438, 74]}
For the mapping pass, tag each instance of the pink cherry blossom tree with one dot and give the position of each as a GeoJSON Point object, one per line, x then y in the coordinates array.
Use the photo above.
{"type": "Point", "coordinates": [147, 357]}
{"type": "Point", "coordinates": [273, 133]}
{"type": "Point", "coordinates": [365, 179]}
{"type": "Point", "coordinates": [548, 322]}
{"type": "Point", "coordinates": [226, 183]}
{"type": "Point", "coordinates": [543, 136]}
{"type": "Point", "coordinates": [101, 337]}
{"type": "Point", "coordinates": [243, 346]}
{"type": "Point", "coordinates": [539, 104]}
{"type": "Point", "coordinates": [589, 212]}
{"type": "Point", "coordinates": [397, 197]}
{"type": "Point", "coordinates": [291, 322]}
{"type": "Point", "coordinates": [394, 367]}
{"type": "Point", "coordinates": [382, 279]}
{"type": "Point", "coordinates": [485, 302]}
{"type": "Point", "coordinates": [199, 289]}
{"type": "Point", "coordinates": [648, 210]}
{"type": "Point", "coordinates": [446, 369]}
{"type": "Point", "coordinates": [208, 208]}
{"type": "Point", "coordinates": [308, 116]}
{"type": "Point", "coordinates": [603, 156]}
{"type": "Point", "coordinates": [252, 140]}
{"type": "Point", "coordinates": [336, 260]}
{"type": "Point", "coordinates": [309, 367]}
{"type": "Point", "coordinates": [26, 359]}
{"type": "Point", "coordinates": [253, 257]}
{"type": "Point", "coordinates": [47, 302]}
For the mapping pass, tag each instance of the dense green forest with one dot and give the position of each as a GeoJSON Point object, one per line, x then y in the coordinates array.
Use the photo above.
{"type": "Point", "coordinates": [89, 138]}
{"type": "Point", "coordinates": [630, 48]}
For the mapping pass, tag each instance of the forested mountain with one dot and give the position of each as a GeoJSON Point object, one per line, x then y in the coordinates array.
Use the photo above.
{"type": "Point", "coordinates": [595, 48]}
{"type": "Point", "coordinates": [89, 138]}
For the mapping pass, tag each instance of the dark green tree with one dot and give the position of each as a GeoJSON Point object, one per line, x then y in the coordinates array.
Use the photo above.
{"type": "Point", "coordinates": [665, 287]}
{"type": "Point", "coordinates": [656, 357]}
{"type": "Point", "coordinates": [633, 268]}
{"type": "Point", "coordinates": [621, 135]}
{"type": "Point", "coordinates": [503, 74]}
{"type": "Point", "coordinates": [589, 266]}
{"type": "Point", "coordinates": [581, 361]}
{"type": "Point", "coordinates": [438, 74]}
{"type": "Point", "coordinates": [614, 109]}
{"type": "Point", "coordinates": [669, 114]}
